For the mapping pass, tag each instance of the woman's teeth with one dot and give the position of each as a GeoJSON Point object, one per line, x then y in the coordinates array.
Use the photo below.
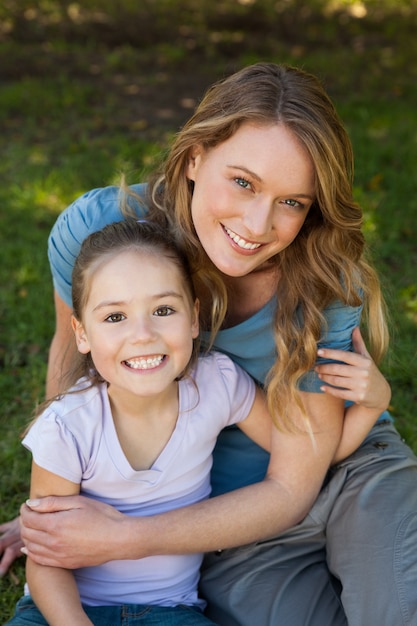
{"type": "Point", "coordinates": [145, 364]}
{"type": "Point", "coordinates": [242, 243]}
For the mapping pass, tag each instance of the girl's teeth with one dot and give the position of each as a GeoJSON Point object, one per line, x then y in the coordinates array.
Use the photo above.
{"type": "Point", "coordinates": [242, 243]}
{"type": "Point", "coordinates": [145, 364]}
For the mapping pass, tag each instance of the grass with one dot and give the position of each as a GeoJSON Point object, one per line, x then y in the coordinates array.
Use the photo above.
{"type": "Point", "coordinates": [78, 110]}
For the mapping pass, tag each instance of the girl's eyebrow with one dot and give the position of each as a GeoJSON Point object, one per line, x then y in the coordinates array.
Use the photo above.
{"type": "Point", "coordinates": [121, 303]}
{"type": "Point", "coordinates": [106, 303]}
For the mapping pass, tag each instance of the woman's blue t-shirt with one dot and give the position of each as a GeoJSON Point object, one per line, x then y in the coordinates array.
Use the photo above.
{"type": "Point", "coordinates": [237, 460]}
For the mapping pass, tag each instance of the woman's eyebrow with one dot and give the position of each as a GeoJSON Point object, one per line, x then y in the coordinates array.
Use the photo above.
{"type": "Point", "coordinates": [245, 169]}
{"type": "Point", "coordinates": [307, 196]}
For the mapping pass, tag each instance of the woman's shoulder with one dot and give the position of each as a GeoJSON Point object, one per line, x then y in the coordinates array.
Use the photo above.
{"type": "Point", "coordinates": [89, 213]}
{"type": "Point", "coordinates": [341, 319]}
{"type": "Point", "coordinates": [97, 208]}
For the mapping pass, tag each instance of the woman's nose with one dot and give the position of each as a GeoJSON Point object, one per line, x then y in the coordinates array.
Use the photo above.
{"type": "Point", "coordinates": [258, 216]}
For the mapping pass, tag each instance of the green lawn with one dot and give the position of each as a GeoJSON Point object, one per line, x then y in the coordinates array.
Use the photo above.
{"type": "Point", "coordinates": [81, 101]}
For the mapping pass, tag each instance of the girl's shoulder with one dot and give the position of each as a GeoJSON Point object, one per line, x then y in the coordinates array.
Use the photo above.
{"type": "Point", "coordinates": [80, 401]}
{"type": "Point", "coordinates": [215, 368]}
{"type": "Point", "coordinates": [68, 434]}
{"type": "Point", "coordinates": [78, 416]}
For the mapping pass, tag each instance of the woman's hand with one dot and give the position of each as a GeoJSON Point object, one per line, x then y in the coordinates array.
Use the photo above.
{"type": "Point", "coordinates": [357, 379]}
{"type": "Point", "coordinates": [73, 531]}
{"type": "Point", "coordinates": [10, 544]}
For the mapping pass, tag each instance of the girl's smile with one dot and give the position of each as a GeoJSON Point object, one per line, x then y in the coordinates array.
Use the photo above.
{"type": "Point", "coordinates": [264, 186]}
{"type": "Point", "coordinates": [144, 363]}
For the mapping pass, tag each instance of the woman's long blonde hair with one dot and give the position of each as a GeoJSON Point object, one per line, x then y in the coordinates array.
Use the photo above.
{"type": "Point", "coordinates": [327, 260]}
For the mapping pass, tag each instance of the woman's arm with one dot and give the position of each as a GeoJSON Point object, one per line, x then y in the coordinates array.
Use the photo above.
{"type": "Point", "coordinates": [61, 605]}
{"type": "Point", "coordinates": [62, 349]}
{"type": "Point", "coordinates": [10, 544]}
{"type": "Point", "coordinates": [83, 532]}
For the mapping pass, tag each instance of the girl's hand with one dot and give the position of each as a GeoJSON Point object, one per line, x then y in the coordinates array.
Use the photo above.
{"type": "Point", "coordinates": [357, 379]}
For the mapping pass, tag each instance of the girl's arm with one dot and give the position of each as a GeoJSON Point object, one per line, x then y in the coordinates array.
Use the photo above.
{"type": "Point", "coordinates": [60, 605]}
{"type": "Point", "coordinates": [360, 381]}
{"type": "Point", "coordinates": [258, 424]}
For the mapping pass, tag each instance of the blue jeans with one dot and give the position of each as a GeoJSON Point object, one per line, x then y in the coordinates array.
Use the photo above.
{"type": "Point", "coordinates": [27, 614]}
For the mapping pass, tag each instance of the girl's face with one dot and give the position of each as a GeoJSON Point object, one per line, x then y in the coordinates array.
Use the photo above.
{"type": "Point", "coordinates": [251, 196]}
{"type": "Point", "coordinates": [138, 324]}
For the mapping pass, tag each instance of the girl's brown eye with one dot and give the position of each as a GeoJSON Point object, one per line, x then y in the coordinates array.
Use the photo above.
{"type": "Point", "coordinates": [163, 311]}
{"type": "Point", "coordinates": [115, 317]}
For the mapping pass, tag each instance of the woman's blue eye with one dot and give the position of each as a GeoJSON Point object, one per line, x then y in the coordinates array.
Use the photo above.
{"type": "Point", "coordinates": [242, 182]}
{"type": "Point", "coordinates": [293, 203]}
{"type": "Point", "coordinates": [115, 317]}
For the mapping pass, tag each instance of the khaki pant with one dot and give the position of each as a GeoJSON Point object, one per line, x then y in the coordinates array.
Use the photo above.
{"type": "Point", "coordinates": [353, 560]}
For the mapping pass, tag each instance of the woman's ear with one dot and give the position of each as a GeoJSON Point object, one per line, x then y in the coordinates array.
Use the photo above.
{"type": "Point", "coordinates": [194, 160]}
{"type": "Point", "coordinates": [80, 336]}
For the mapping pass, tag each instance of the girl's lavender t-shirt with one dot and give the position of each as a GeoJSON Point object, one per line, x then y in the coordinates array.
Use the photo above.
{"type": "Point", "coordinates": [75, 438]}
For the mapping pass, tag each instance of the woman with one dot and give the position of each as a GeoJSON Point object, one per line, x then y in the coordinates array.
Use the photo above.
{"type": "Point", "coordinates": [258, 186]}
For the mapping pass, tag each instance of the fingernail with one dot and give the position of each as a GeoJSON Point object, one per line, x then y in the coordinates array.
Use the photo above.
{"type": "Point", "coordinates": [24, 550]}
{"type": "Point", "coordinates": [320, 352]}
{"type": "Point", "coordinates": [33, 503]}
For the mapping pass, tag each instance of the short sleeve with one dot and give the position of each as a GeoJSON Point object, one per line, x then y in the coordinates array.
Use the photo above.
{"type": "Point", "coordinates": [54, 447]}
{"type": "Point", "coordinates": [337, 335]}
{"type": "Point", "coordinates": [238, 386]}
{"type": "Point", "coordinates": [65, 439]}
{"type": "Point", "coordinates": [84, 216]}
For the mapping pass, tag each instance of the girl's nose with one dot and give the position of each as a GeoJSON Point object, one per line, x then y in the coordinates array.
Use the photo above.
{"type": "Point", "coordinates": [142, 329]}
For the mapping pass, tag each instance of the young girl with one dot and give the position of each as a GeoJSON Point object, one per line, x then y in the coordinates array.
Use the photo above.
{"type": "Point", "coordinates": [137, 427]}
{"type": "Point", "coordinates": [258, 187]}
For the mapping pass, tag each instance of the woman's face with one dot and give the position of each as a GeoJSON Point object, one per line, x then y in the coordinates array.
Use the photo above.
{"type": "Point", "coordinates": [251, 196]}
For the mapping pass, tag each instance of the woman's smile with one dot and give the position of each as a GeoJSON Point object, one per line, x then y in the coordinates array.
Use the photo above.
{"type": "Point", "coordinates": [242, 243]}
